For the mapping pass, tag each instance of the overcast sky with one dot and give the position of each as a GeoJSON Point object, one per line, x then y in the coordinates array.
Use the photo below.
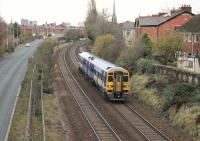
{"type": "Point", "coordinates": [75, 11]}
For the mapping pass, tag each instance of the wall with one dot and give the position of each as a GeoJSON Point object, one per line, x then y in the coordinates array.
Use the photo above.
{"type": "Point", "coordinates": [151, 31]}
{"type": "Point", "coordinates": [178, 74]}
{"type": "Point", "coordinates": [189, 64]}
{"type": "Point", "coordinates": [128, 38]}
{"type": "Point", "coordinates": [170, 25]}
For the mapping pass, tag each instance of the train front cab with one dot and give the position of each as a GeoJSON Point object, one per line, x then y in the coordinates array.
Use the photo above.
{"type": "Point", "coordinates": [118, 85]}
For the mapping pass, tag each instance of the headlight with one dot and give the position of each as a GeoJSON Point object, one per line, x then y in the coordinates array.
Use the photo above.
{"type": "Point", "coordinates": [109, 86]}
{"type": "Point", "coordinates": [127, 86]}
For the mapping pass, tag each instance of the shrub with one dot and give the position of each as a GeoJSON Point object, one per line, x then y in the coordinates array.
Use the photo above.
{"type": "Point", "coordinates": [167, 47]}
{"type": "Point", "coordinates": [101, 45]}
{"type": "Point", "coordinates": [182, 93]}
{"type": "Point", "coordinates": [130, 55]}
{"type": "Point", "coordinates": [157, 81]}
{"type": "Point", "coordinates": [146, 65]}
{"type": "Point", "coordinates": [186, 118]}
{"type": "Point", "coordinates": [72, 35]}
{"type": "Point", "coordinates": [167, 97]}
{"type": "Point", "coordinates": [196, 96]}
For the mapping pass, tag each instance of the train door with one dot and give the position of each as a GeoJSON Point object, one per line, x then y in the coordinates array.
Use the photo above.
{"type": "Point", "coordinates": [118, 83]}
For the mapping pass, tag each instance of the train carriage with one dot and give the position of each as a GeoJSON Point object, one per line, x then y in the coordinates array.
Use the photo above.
{"type": "Point", "coordinates": [113, 81]}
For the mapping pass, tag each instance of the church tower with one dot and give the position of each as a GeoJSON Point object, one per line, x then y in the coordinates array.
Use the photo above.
{"type": "Point", "coordinates": [114, 17]}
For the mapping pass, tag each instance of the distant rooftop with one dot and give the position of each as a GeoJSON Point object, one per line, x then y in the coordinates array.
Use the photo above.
{"type": "Point", "coordinates": [127, 25]}
{"type": "Point", "coordinates": [156, 20]}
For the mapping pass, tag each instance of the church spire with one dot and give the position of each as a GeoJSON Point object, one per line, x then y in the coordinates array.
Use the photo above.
{"type": "Point", "coordinates": [114, 17]}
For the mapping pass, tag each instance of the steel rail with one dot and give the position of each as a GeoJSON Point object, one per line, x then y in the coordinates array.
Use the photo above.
{"type": "Point", "coordinates": [88, 100]}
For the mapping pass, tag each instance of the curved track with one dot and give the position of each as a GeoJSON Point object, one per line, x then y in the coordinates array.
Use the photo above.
{"type": "Point", "coordinates": [100, 127]}
{"type": "Point", "coordinates": [149, 131]}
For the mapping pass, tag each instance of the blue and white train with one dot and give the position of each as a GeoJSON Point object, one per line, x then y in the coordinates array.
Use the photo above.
{"type": "Point", "coordinates": [113, 81]}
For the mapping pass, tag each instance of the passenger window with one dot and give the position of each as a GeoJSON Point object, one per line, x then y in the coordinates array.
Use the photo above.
{"type": "Point", "coordinates": [110, 79]}
{"type": "Point", "coordinates": [125, 78]}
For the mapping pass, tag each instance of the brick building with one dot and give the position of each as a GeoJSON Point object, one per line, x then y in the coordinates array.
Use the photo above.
{"type": "Point", "coordinates": [31, 28]}
{"type": "Point", "coordinates": [157, 26]}
{"type": "Point", "coordinates": [191, 32]}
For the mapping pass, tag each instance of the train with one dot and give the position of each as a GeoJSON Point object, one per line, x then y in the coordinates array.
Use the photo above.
{"type": "Point", "coordinates": [113, 81]}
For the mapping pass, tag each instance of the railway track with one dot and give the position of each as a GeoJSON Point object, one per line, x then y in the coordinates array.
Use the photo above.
{"type": "Point", "coordinates": [150, 132]}
{"type": "Point", "coordinates": [101, 128]}
{"type": "Point", "coordinates": [136, 120]}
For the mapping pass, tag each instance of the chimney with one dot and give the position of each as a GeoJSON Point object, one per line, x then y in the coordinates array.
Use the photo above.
{"type": "Point", "coordinates": [186, 8]}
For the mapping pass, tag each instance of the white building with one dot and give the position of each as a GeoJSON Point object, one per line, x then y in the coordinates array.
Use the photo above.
{"type": "Point", "coordinates": [128, 32]}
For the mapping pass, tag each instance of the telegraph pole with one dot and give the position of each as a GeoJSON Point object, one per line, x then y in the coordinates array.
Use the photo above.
{"type": "Point", "coordinates": [13, 34]}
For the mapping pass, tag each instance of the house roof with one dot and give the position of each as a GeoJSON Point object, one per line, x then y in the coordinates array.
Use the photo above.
{"type": "Point", "coordinates": [127, 25]}
{"type": "Point", "coordinates": [158, 20]}
{"type": "Point", "coordinates": [192, 26]}
{"type": "Point", "coordinates": [150, 21]}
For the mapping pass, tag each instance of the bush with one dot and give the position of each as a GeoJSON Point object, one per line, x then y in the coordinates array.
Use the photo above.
{"type": "Point", "coordinates": [101, 45]}
{"type": "Point", "coordinates": [182, 93]}
{"type": "Point", "coordinates": [146, 65]}
{"type": "Point", "coordinates": [130, 55]}
{"type": "Point", "coordinates": [186, 118]}
{"type": "Point", "coordinates": [138, 83]}
{"type": "Point", "coordinates": [167, 48]}
{"type": "Point", "coordinates": [167, 97]}
{"type": "Point", "coordinates": [72, 35]}
{"type": "Point", "coordinates": [108, 47]}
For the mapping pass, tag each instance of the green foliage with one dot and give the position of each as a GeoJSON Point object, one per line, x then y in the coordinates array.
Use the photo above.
{"type": "Point", "coordinates": [167, 96]}
{"type": "Point", "coordinates": [146, 65]}
{"type": "Point", "coordinates": [182, 93]}
{"type": "Point", "coordinates": [72, 35]}
{"type": "Point", "coordinates": [167, 48]}
{"type": "Point", "coordinates": [149, 45]}
{"type": "Point", "coordinates": [196, 96]}
{"type": "Point", "coordinates": [130, 55]}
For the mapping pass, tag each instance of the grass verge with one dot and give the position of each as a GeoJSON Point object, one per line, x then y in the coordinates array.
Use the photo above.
{"type": "Point", "coordinates": [42, 63]}
{"type": "Point", "coordinates": [54, 131]}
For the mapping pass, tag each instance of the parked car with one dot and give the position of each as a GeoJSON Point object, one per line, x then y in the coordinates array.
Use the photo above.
{"type": "Point", "coordinates": [28, 45]}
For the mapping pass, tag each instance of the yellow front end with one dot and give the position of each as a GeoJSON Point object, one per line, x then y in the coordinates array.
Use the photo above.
{"type": "Point", "coordinates": [118, 85]}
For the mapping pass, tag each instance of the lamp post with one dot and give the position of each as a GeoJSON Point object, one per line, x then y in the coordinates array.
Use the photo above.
{"type": "Point", "coordinates": [13, 36]}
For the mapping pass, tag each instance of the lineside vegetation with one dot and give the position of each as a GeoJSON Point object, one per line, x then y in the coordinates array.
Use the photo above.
{"type": "Point", "coordinates": [41, 63]}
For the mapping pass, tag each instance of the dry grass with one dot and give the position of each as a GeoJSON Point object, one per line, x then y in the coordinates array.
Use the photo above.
{"type": "Point", "coordinates": [149, 95]}
{"type": "Point", "coordinates": [138, 83]}
{"type": "Point", "coordinates": [54, 131]}
{"type": "Point", "coordinates": [186, 118]}
{"type": "Point", "coordinates": [157, 92]}
{"type": "Point", "coordinates": [19, 123]}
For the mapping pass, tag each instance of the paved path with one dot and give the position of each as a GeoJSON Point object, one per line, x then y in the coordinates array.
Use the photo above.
{"type": "Point", "coordinates": [12, 70]}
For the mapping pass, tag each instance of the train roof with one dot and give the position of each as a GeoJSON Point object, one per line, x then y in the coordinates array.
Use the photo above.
{"type": "Point", "coordinates": [100, 63]}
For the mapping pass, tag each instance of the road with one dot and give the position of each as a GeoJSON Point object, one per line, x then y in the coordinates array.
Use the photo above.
{"type": "Point", "coordinates": [12, 70]}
